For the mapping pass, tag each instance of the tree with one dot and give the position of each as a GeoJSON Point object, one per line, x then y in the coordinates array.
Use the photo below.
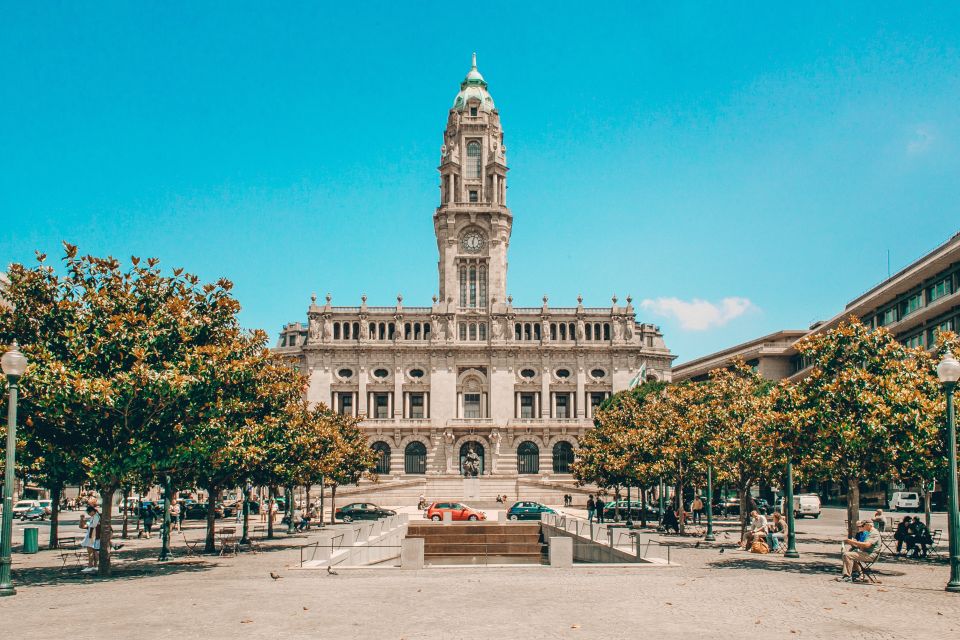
{"type": "Point", "coordinates": [118, 370]}
{"type": "Point", "coordinates": [349, 458]}
{"type": "Point", "coordinates": [738, 413]}
{"type": "Point", "coordinates": [868, 408]}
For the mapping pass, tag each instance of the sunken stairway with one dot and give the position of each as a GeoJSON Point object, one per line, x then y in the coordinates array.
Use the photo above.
{"type": "Point", "coordinates": [479, 543]}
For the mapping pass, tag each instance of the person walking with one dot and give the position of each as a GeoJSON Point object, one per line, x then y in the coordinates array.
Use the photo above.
{"type": "Point", "coordinates": [175, 515]}
{"type": "Point", "coordinates": [148, 515]}
{"type": "Point", "coordinates": [591, 506]}
{"type": "Point", "coordinates": [91, 541]}
{"type": "Point", "coordinates": [697, 508]}
{"type": "Point", "coordinates": [598, 506]}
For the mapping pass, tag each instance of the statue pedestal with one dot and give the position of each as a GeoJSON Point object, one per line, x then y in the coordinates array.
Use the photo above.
{"type": "Point", "coordinates": [471, 488]}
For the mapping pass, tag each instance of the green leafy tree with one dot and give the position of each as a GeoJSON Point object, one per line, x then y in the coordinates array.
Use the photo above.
{"type": "Point", "coordinates": [868, 408]}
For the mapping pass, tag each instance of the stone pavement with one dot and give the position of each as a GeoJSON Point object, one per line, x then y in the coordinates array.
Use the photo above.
{"type": "Point", "coordinates": [710, 594]}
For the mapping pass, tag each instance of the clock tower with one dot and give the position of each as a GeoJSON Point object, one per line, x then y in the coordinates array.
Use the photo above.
{"type": "Point", "coordinates": [473, 222]}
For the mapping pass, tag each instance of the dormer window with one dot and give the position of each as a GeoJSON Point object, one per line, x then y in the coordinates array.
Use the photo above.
{"type": "Point", "coordinates": [473, 111]}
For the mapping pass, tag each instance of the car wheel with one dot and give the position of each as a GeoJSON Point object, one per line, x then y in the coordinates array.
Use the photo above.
{"type": "Point", "coordinates": [816, 515]}
{"type": "Point", "coordinates": [472, 518]}
{"type": "Point", "coordinates": [514, 517]}
{"type": "Point", "coordinates": [347, 519]}
{"type": "Point", "coordinates": [435, 517]}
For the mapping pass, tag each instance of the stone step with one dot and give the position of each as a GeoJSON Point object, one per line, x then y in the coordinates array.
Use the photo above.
{"type": "Point", "coordinates": [482, 549]}
{"type": "Point", "coordinates": [419, 530]}
{"type": "Point", "coordinates": [491, 538]}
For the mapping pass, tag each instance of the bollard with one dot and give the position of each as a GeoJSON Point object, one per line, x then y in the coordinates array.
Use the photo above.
{"type": "Point", "coordinates": [561, 551]}
{"type": "Point", "coordinates": [31, 540]}
{"type": "Point", "coordinates": [447, 517]}
{"type": "Point", "coordinates": [411, 553]}
{"type": "Point", "coordinates": [501, 516]}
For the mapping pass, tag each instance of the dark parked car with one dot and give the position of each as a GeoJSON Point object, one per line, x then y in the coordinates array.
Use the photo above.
{"type": "Point", "coordinates": [34, 513]}
{"type": "Point", "coordinates": [198, 511]}
{"type": "Point", "coordinates": [636, 508]}
{"type": "Point", "coordinates": [527, 510]}
{"type": "Point", "coordinates": [362, 511]}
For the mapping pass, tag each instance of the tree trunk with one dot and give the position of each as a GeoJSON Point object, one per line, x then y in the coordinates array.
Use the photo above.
{"type": "Point", "coordinates": [333, 502]}
{"type": "Point", "coordinates": [679, 497]}
{"type": "Point", "coordinates": [209, 544]}
{"type": "Point", "coordinates": [244, 538]}
{"type": "Point", "coordinates": [321, 501]}
{"type": "Point", "coordinates": [126, 496]}
{"type": "Point", "coordinates": [272, 493]}
{"type": "Point", "coordinates": [927, 498]}
{"type": "Point", "coordinates": [643, 507]}
{"type": "Point", "coordinates": [55, 493]}
{"type": "Point", "coordinates": [106, 530]}
{"type": "Point", "coordinates": [744, 516]}
{"type": "Point", "coordinates": [853, 506]}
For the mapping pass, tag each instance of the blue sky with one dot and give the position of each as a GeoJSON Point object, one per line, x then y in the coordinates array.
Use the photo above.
{"type": "Point", "coordinates": [741, 168]}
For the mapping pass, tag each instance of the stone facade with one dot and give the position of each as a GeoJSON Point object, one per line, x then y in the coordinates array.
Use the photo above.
{"type": "Point", "coordinates": [518, 384]}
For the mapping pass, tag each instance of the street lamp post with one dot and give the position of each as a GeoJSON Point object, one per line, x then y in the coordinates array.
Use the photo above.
{"type": "Point", "coordinates": [948, 371]}
{"type": "Point", "coordinates": [629, 522]}
{"type": "Point", "coordinates": [165, 528]}
{"type": "Point", "coordinates": [709, 537]}
{"type": "Point", "coordinates": [13, 364]}
{"type": "Point", "coordinates": [791, 551]}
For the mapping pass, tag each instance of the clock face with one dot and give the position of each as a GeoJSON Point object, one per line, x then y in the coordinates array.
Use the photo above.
{"type": "Point", "coordinates": [472, 242]}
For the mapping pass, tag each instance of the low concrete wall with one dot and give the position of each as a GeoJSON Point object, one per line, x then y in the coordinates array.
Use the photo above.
{"type": "Point", "coordinates": [593, 544]}
{"type": "Point", "coordinates": [360, 543]}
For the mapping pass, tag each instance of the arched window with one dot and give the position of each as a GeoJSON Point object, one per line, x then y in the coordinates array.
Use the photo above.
{"type": "Point", "coordinates": [415, 458]}
{"type": "Point", "coordinates": [553, 330]}
{"type": "Point", "coordinates": [416, 330]}
{"type": "Point", "coordinates": [391, 328]}
{"type": "Point", "coordinates": [572, 330]}
{"type": "Point", "coordinates": [482, 327]}
{"type": "Point", "coordinates": [406, 331]}
{"type": "Point", "coordinates": [516, 331]}
{"type": "Point", "coordinates": [526, 331]}
{"type": "Point", "coordinates": [473, 286]}
{"type": "Point", "coordinates": [346, 330]}
{"type": "Point", "coordinates": [536, 331]}
{"type": "Point", "coordinates": [426, 330]}
{"type": "Point", "coordinates": [596, 331]}
{"type": "Point", "coordinates": [336, 330]}
{"type": "Point", "coordinates": [463, 285]}
{"type": "Point", "coordinates": [606, 330]}
{"type": "Point", "coordinates": [562, 457]}
{"type": "Point", "coordinates": [383, 331]}
{"type": "Point", "coordinates": [382, 451]}
{"type": "Point", "coordinates": [473, 159]}
{"type": "Point", "coordinates": [473, 330]}
{"type": "Point", "coordinates": [563, 331]}
{"type": "Point", "coordinates": [589, 331]}
{"type": "Point", "coordinates": [465, 449]}
{"type": "Point", "coordinates": [528, 458]}
{"type": "Point", "coordinates": [463, 330]}
{"type": "Point", "coordinates": [483, 286]}
{"type": "Point", "coordinates": [373, 330]}
{"type": "Point", "coordinates": [356, 330]}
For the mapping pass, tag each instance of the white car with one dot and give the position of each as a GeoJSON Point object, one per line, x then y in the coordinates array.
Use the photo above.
{"type": "Point", "coordinates": [23, 506]}
{"type": "Point", "coordinates": [804, 504]}
{"type": "Point", "coordinates": [904, 501]}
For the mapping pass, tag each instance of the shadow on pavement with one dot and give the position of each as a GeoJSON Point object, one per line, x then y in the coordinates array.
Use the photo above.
{"type": "Point", "coordinates": [820, 567]}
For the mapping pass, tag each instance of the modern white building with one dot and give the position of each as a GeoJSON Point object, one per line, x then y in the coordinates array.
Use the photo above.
{"type": "Point", "coordinates": [472, 370]}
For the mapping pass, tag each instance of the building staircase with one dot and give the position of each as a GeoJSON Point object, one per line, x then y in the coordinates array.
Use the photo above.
{"type": "Point", "coordinates": [479, 543]}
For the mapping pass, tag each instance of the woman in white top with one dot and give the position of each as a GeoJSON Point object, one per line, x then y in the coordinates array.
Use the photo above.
{"type": "Point", "coordinates": [91, 541]}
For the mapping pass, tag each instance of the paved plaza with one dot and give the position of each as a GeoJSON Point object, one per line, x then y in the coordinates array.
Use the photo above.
{"type": "Point", "coordinates": [706, 594]}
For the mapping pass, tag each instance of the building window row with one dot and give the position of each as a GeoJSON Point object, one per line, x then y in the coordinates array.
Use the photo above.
{"type": "Point", "coordinates": [416, 405]}
{"type": "Point", "coordinates": [473, 331]}
{"type": "Point", "coordinates": [568, 331]}
{"type": "Point", "coordinates": [563, 404]}
{"type": "Point", "coordinates": [473, 285]}
{"type": "Point", "coordinates": [943, 285]}
{"type": "Point", "coordinates": [528, 457]}
{"type": "Point", "coordinates": [526, 331]}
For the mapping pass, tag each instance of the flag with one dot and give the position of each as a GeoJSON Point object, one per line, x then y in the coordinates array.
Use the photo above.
{"type": "Point", "coordinates": [639, 378]}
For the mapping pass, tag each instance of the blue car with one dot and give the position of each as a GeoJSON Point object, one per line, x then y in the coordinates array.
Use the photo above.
{"type": "Point", "coordinates": [527, 510]}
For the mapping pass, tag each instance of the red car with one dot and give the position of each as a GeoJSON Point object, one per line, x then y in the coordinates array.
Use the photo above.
{"type": "Point", "coordinates": [460, 512]}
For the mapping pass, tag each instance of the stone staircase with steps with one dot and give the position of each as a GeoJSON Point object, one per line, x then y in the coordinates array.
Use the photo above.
{"type": "Point", "coordinates": [479, 543]}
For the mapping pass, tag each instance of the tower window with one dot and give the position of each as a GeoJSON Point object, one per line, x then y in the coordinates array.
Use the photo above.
{"type": "Point", "coordinates": [473, 159]}
{"type": "Point", "coordinates": [474, 196]}
{"type": "Point", "coordinates": [473, 111]}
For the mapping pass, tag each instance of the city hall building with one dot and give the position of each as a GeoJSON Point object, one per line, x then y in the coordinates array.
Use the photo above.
{"type": "Point", "coordinates": [516, 384]}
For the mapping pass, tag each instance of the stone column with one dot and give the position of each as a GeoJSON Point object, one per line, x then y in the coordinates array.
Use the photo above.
{"type": "Point", "coordinates": [581, 382]}
{"type": "Point", "coordinates": [398, 407]}
{"type": "Point", "coordinates": [536, 405]}
{"type": "Point", "coordinates": [363, 407]}
{"type": "Point", "coordinates": [517, 404]}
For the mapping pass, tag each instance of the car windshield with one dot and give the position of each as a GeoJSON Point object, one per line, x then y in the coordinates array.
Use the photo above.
{"type": "Point", "coordinates": [909, 496]}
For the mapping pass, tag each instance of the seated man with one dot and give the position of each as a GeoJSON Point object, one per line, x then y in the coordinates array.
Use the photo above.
{"type": "Point", "coordinates": [919, 538]}
{"type": "Point", "coordinates": [860, 551]}
{"type": "Point", "coordinates": [758, 529]}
